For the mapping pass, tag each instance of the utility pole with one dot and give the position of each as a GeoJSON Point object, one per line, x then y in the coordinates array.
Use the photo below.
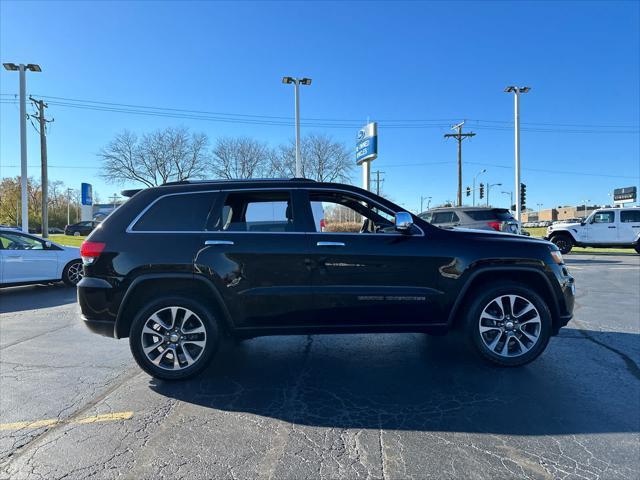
{"type": "Point", "coordinates": [68, 206]}
{"type": "Point", "coordinates": [40, 105]}
{"type": "Point", "coordinates": [459, 136]}
{"type": "Point", "coordinates": [377, 173]}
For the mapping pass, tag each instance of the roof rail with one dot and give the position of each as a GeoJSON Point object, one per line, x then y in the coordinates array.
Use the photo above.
{"type": "Point", "coordinates": [231, 180]}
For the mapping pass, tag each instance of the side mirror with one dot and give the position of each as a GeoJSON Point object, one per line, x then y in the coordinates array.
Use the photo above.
{"type": "Point", "coordinates": [404, 222]}
{"type": "Point", "coordinates": [47, 244]}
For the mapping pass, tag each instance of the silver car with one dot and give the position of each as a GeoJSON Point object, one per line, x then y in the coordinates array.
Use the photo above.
{"type": "Point", "coordinates": [479, 218]}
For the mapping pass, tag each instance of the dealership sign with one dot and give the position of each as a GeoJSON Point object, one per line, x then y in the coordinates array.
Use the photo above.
{"type": "Point", "coordinates": [87, 194]}
{"type": "Point", "coordinates": [367, 143]}
{"type": "Point", "coordinates": [625, 195]}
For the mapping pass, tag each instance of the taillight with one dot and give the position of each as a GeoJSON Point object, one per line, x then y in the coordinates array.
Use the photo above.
{"type": "Point", "coordinates": [90, 251]}
{"type": "Point", "coordinates": [494, 225]}
{"type": "Point", "coordinates": [322, 225]}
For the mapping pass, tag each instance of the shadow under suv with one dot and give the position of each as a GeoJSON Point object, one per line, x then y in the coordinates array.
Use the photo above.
{"type": "Point", "coordinates": [179, 266]}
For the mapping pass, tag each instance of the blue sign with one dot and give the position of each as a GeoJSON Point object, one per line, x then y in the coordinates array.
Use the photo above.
{"type": "Point", "coordinates": [367, 143]}
{"type": "Point", "coordinates": [87, 194]}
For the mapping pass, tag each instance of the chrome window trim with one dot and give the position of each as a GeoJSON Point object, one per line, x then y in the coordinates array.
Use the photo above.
{"type": "Point", "coordinates": [129, 228]}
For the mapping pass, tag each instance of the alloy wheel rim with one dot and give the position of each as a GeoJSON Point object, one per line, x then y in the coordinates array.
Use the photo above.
{"type": "Point", "coordinates": [510, 326]}
{"type": "Point", "coordinates": [74, 273]}
{"type": "Point", "coordinates": [173, 338]}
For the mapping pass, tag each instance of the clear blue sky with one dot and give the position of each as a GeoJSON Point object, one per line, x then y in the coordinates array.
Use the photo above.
{"type": "Point", "coordinates": [439, 62]}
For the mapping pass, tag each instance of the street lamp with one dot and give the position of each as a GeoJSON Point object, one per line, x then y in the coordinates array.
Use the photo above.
{"type": "Point", "coordinates": [484, 170]}
{"type": "Point", "coordinates": [585, 207]}
{"type": "Point", "coordinates": [32, 67]}
{"type": "Point", "coordinates": [422, 199]}
{"type": "Point", "coordinates": [511, 197]}
{"type": "Point", "coordinates": [296, 84]}
{"type": "Point", "coordinates": [489, 188]}
{"type": "Point", "coordinates": [517, 91]}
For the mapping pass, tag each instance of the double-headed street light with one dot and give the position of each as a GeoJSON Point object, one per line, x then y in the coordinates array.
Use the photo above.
{"type": "Point", "coordinates": [296, 83]}
{"type": "Point", "coordinates": [517, 91]}
{"type": "Point", "coordinates": [32, 67]}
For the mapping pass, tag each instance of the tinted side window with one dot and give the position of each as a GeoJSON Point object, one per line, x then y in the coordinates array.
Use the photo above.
{"type": "Point", "coordinates": [256, 212]}
{"type": "Point", "coordinates": [441, 217]}
{"type": "Point", "coordinates": [177, 213]}
{"type": "Point", "coordinates": [630, 216]}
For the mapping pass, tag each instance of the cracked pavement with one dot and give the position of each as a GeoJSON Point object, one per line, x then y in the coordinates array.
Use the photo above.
{"type": "Point", "coordinates": [354, 406]}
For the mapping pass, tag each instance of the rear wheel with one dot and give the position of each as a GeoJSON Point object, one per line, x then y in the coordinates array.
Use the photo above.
{"type": "Point", "coordinates": [76, 234]}
{"type": "Point", "coordinates": [174, 338]}
{"type": "Point", "coordinates": [72, 273]}
{"type": "Point", "coordinates": [563, 242]}
{"type": "Point", "coordinates": [509, 324]}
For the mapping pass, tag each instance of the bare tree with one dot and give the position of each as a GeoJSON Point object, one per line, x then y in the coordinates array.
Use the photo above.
{"type": "Point", "coordinates": [171, 154]}
{"type": "Point", "coordinates": [240, 157]}
{"type": "Point", "coordinates": [323, 159]}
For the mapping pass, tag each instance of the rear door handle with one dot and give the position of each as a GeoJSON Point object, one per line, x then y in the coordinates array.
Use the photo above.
{"type": "Point", "coordinates": [330, 244]}
{"type": "Point", "coordinates": [218, 242]}
{"type": "Point", "coordinates": [612, 227]}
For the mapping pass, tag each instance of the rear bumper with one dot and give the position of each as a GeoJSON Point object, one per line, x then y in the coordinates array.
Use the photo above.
{"type": "Point", "coordinates": [101, 327]}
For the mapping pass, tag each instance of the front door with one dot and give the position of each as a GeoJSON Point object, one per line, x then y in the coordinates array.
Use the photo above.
{"type": "Point", "coordinates": [26, 259]}
{"type": "Point", "coordinates": [365, 273]}
{"type": "Point", "coordinates": [602, 229]}
{"type": "Point", "coordinates": [257, 255]}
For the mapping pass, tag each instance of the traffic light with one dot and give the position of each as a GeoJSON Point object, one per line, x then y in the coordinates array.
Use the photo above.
{"type": "Point", "coordinates": [523, 195]}
{"type": "Point", "coordinates": [481, 190]}
{"type": "Point", "coordinates": [468, 191]}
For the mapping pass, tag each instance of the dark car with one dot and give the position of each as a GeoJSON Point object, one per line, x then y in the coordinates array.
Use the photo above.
{"type": "Point", "coordinates": [81, 228]}
{"type": "Point", "coordinates": [179, 266]}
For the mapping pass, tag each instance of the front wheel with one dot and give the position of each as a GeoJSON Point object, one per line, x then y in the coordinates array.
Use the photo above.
{"type": "Point", "coordinates": [563, 242]}
{"type": "Point", "coordinates": [509, 324]}
{"type": "Point", "coordinates": [173, 338]}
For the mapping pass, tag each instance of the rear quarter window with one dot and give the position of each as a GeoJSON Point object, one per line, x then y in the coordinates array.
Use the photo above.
{"type": "Point", "coordinates": [177, 213]}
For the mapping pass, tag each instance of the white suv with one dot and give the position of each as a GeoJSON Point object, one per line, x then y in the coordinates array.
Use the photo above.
{"type": "Point", "coordinates": [607, 227]}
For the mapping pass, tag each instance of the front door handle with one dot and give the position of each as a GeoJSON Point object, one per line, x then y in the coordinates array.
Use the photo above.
{"type": "Point", "coordinates": [218, 242]}
{"type": "Point", "coordinates": [330, 244]}
{"type": "Point", "coordinates": [612, 227]}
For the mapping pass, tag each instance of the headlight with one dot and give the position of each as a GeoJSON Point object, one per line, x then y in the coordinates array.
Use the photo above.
{"type": "Point", "coordinates": [557, 257]}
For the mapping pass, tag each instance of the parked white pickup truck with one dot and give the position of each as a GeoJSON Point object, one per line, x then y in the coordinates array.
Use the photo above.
{"type": "Point", "coordinates": [607, 227]}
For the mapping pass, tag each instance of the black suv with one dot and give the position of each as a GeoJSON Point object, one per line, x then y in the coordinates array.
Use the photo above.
{"type": "Point", "coordinates": [179, 266]}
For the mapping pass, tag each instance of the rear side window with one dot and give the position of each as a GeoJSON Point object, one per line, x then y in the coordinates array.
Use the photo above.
{"type": "Point", "coordinates": [177, 213]}
{"type": "Point", "coordinates": [257, 212]}
{"type": "Point", "coordinates": [630, 216]}
{"type": "Point", "coordinates": [492, 214]}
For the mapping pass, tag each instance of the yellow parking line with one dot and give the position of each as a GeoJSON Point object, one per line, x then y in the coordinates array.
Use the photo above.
{"type": "Point", "coordinates": [105, 417]}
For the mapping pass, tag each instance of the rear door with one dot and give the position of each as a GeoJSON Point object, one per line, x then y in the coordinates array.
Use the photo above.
{"type": "Point", "coordinates": [629, 226]}
{"type": "Point", "coordinates": [364, 272]}
{"type": "Point", "coordinates": [256, 253]}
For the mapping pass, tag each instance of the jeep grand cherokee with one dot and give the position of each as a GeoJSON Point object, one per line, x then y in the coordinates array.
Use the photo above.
{"type": "Point", "coordinates": [179, 266]}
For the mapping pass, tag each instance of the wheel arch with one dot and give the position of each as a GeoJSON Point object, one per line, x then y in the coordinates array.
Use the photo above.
{"type": "Point", "coordinates": [568, 233]}
{"type": "Point", "coordinates": [527, 276]}
{"type": "Point", "coordinates": [140, 290]}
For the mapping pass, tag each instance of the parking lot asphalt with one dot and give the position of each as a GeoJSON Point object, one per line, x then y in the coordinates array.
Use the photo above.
{"type": "Point", "coordinates": [74, 405]}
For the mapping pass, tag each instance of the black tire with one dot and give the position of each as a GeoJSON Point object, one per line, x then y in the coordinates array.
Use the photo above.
{"type": "Point", "coordinates": [70, 273]}
{"type": "Point", "coordinates": [203, 314]}
{"type": "Point", "coordinates": [564, 242]}
{"type": "Point", "coordinates": [483, 299]}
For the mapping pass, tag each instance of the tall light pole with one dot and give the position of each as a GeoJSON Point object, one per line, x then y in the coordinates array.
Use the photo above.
{"type": "Point", "coordinates": [296, 88]}
{"type": "Point", "coordinates": [32, 67]}
{"type": "Point", "coordinates": [539, 205]}
{"type": "Point", "coordinates": [510, 196]}
{"type": "Point", "coordinates": [422, 199]}
{"type": "Point", "coordinates": [585, 207]}
{"type": "Point", "coordinates": [484, 170]}
{"type": "Point", "coordinates": [516, 103]}
{"type": "Point", "coordinates": [489, 189]}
